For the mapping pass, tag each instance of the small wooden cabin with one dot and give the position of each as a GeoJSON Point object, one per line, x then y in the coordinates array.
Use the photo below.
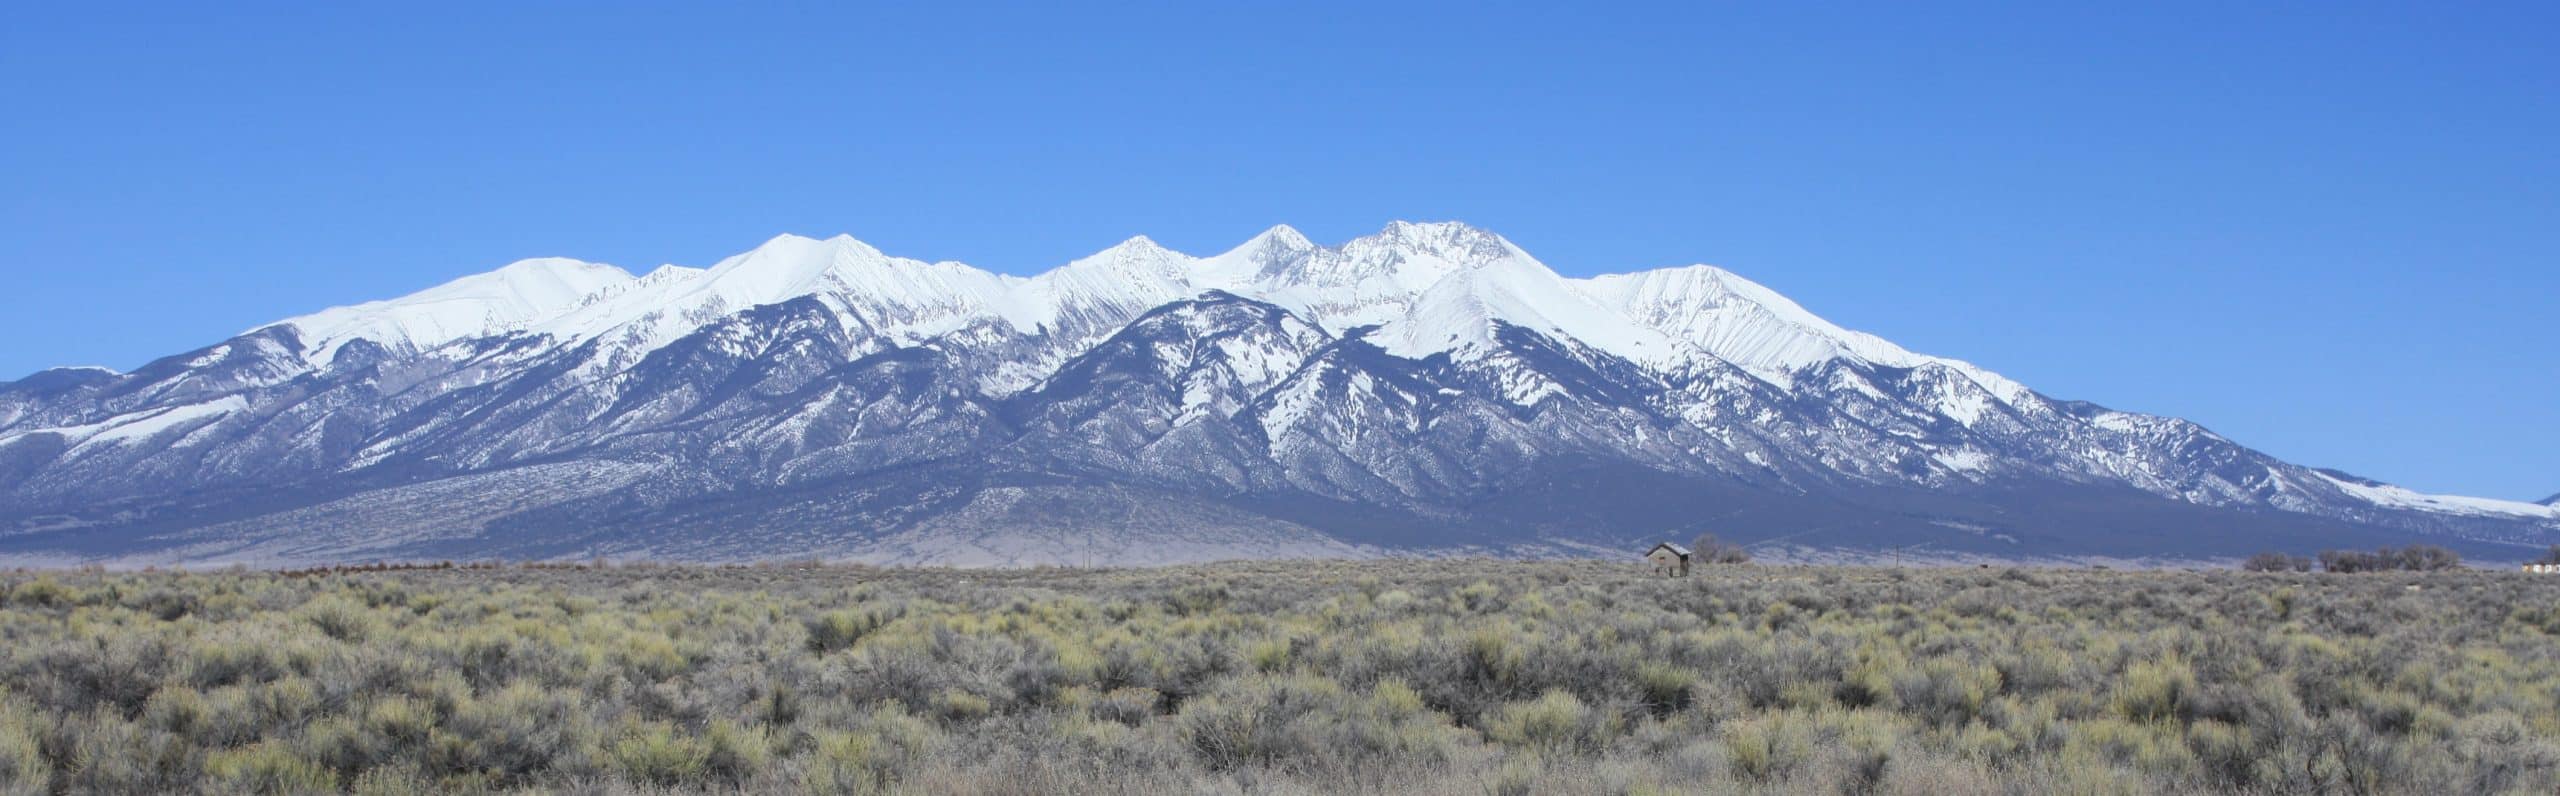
{"type": "Point", "coordinates": [1669, 559]}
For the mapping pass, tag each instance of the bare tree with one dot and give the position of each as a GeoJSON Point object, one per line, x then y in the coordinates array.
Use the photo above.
{"type": "Point", "coordinates": [2272, 561]}
{"type": "Point", "coordinates": [2414, 558]}
{"type": "Point", "coordinates": [1707, 549]}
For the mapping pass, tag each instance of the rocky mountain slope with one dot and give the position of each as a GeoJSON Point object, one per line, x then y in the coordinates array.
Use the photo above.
{"type": "Point", "coordinates": [1431, 388]}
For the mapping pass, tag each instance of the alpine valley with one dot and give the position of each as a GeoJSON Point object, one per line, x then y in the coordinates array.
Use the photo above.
{"type": "Point", "coordinates": [1431, 389]}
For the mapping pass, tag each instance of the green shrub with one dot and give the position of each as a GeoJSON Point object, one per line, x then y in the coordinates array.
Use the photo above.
{"type": "Point", "coordinates": [266, 768]}
{"type": "Point", "coordinates": [43, 592]}
{"type": "Point", "coordinates": [847, 763]}
{"type": "Point", "coordinates": [1126, 706]}
{"type": "Point", "coordinates": [510, 736]}
{"type": "Point", "coordinates": [837, 630]}
{"type": "Point", "coordinates": [2155, 690]}
{"type": "Point", "coordinates": [1767, 748]}
{"type": "Point", "coordinates": [1665, 689]}
{"type": "Point", "coordinates": [340, 618]}
{"type": "Point", "coordinates": [1944, 692]}
{"type": "Point", "coordinates": [736, 752]}
{"type": "Point", "coordinates": [1553, 723]}
{"type": "Point", "coordinates": [654, 753]}
{"type": "Point", "coordinates": [24, 771]}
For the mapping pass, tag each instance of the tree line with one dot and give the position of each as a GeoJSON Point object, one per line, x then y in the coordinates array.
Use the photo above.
{"type": "Point", "coordinates": [2413, 558]}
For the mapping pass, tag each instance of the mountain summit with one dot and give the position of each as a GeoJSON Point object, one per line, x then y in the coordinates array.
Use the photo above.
{"type": "Point", "coordinates": [1428, 388]}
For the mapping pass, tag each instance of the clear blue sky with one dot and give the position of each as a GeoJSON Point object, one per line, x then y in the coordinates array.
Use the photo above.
{"type": "Point", "coordinates": [2328, 231]}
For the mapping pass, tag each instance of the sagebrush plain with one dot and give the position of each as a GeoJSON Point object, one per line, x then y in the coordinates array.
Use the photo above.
{"type": "Point", "coordinates": [1458, 677]}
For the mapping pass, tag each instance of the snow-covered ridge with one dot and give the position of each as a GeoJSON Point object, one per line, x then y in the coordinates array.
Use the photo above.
{"type": "Point", "coordinates": [2403, 497]}
{"type": "Point", "coordinates": [1428, 287]}
{"type": "Point", "coordinates": [508, 299]}
{"type": "Point", "coordinates": [1384, 280]}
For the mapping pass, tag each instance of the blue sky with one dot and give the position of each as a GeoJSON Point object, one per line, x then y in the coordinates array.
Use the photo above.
{"type": "Point", "coordinates": [2328, 231]}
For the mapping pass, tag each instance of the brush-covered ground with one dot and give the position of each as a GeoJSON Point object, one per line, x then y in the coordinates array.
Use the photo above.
{"type": "Point", "coordinates": [1426, 677]}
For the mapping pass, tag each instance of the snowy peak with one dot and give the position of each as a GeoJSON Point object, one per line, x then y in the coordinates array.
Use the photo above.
{"type": "Point", "coordinates": [789, 266]}
{"type": "Point", "coordinates": [1463, 313]}
{"type": "Point", "coordinates": [1135, 259]}
{"type": "Point", "coordinates": [481, 305]}
{"type": "Point", "coordinates": [1411, 256]}
{"type": "Point", "coordinates": [1269, 253]}
{"type": "Point", "coordinates": [1105, 288]}
{"type": "Point", "coordinates": [1278, 242]}
{"type": "Point", "coordinates": [1738, 320]}
{"type": "Point", "coordinates": [891, 295]}
{"type": "Point", "coordinates": [2552, 501]}
{"type": "Point", "coordinates": [1759, 330]}
{"type": "Point", "coordinates": [1445, 240]}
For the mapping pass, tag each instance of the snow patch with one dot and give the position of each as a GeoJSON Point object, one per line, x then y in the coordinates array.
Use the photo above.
{"type": "Point", "coordinates": [135, 426]}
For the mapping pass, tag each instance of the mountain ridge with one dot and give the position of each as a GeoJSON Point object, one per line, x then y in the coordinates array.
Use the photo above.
{"type": "Point", "coordinates": [1401, 392]}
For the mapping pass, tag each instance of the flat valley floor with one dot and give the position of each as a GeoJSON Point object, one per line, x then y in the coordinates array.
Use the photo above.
{"type": "Point", "coordinates": [1430, 677]}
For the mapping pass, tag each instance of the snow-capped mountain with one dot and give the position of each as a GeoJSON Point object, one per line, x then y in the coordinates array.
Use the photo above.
{"type": "Point", "coordinates": [1429, 388]}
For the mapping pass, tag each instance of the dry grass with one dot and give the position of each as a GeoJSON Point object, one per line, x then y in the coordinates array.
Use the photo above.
{"type": "Point", "coordinates": [1299, 677]}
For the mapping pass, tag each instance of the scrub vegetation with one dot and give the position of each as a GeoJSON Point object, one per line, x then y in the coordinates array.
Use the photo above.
{"type": "Point", "coordinates": [1456, 677]}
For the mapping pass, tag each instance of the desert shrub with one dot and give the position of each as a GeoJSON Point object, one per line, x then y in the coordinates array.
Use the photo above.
{"type": "Point", "coordinates": [836, 630]}
{"type": "Point", "coordinates": [237, 658]}
{"type": "Point", "coordinates": [1769, 747]}
{"type": "Point", "coordinates": [1126, 706]}
{"type": "Point", "coordinates": [42, 592]}
{"type": "Point", "coordinates": [266, 768]}
{"type": "Point", "coordinates": [848, 763]}
{"type": "Point", "coordinates": [1197, 600]}
{"type": "Point", "coordinates": [340, 618]}
{"type": "Point", "coordinates": [1945, 692]}
{"type": "Point", "coordinates": [23, 768]}
{"type": "Point", "coordinates": [1251, 721]}
{"type": "Point", "coordinates": [106, 754]}
{"type": "Point", "coordinates": [655, 754]}
{"type": "Point", "coordinates": [2154, 690]}
{"type": "Point", "coordinates": [1553, 723]}
{"type": "Point", "coordinates": [2228, 753]}
{"type": "Point", "coordinates": [515, 733]}
{"type": "Point", "coordinates": [396, 780]}
{"type": "Point", "coordinates": [167, 605]}
{"type": "Point", "coordinates": [736, 752]}
{"type": "Point", "coordinates": [1666, 689]}
{"type": "Point", "coordinates": [960, 706]}
{"type": "Point", "coordinates": [1298, 677]}
{"type": "Point", "coordinates": [872, 757]}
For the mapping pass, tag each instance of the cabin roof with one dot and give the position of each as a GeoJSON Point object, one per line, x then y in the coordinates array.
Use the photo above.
{"type": "Point", "coordinates": [1675, 549]}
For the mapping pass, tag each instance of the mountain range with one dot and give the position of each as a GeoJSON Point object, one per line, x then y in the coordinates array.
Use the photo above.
{"type": "Point", "coordinates": [1430, 389]}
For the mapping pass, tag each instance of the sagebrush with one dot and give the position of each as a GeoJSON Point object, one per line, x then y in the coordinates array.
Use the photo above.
{"type": "Point", "coordinates": [1279, 677]}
